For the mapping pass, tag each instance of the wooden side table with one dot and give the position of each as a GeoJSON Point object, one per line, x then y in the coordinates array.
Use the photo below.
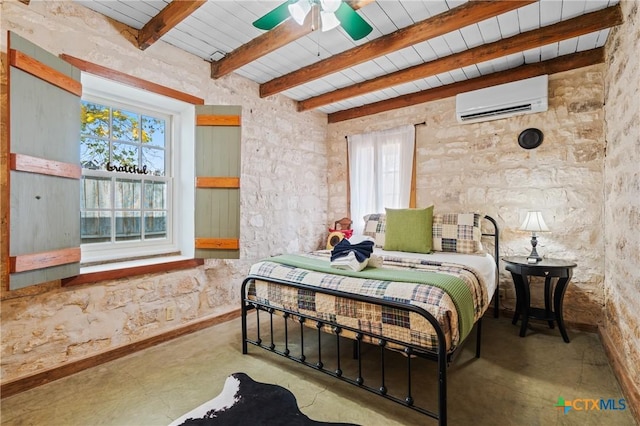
{"type": "Point", "coordinates": [521, 270]}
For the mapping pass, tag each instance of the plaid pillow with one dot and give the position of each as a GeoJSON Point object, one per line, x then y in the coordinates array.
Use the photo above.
{"type": "Point", "coordinates": [458, 233]}
{"type": "Point", "coordinates": [374, 227]}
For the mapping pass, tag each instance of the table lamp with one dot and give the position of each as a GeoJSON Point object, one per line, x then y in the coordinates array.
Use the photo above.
{"type": "Point", "coordinates": [534, 223]}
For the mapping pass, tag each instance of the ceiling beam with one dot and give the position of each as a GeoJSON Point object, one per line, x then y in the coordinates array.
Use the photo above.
{"type": "Point", "coordinates": [165, 20]}
{"type": "Point", "coordinates": [552, 66]}
{"type": "Point", "coordinates": [467, 14]}
{"type": "Point", "coordinates": [285, 33]}
{"type": "Point", "coordinates": [585, 24]}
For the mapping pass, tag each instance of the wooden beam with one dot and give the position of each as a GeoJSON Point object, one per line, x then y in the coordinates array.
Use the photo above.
{"type": "Point", "coordinates": [575, 27]}
{"type": "Point", "coordinates": [130, 80]}
{"type": "Point", "coordinates": [283, 34]}
{"type": "Point", "coordinates": [25, 2]}
{"type": "Point", "coordinates": [217, 182]}
{"type": "Point", "coordinates": [27, 163]}
{"type": "Point", "coordinates": [467, 14]}
{"type": "Point", "coordinates": [44, 72]}
{"type": "Point", "coordinates": [217, 120]}
{"type": "Point", "coordinates": [174, 13]}
{"type": "Point", "coordinates": [217, 243]}
{"type": "Point", "coordinates": [30, 262]}
{"type": "Point", "coordinates": [552, 66]}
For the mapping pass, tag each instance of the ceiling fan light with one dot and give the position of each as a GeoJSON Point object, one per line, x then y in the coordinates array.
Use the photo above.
{"type": "Point", "coordinates": [299, 10]}
{"type": "Point", "coordinates": [329, 20]}
{"type": "Point", "coordinates": [330, 5]}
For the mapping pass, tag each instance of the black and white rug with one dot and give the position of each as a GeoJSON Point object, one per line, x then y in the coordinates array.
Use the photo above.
{"type": "Point", "coordinates": [244, 401]}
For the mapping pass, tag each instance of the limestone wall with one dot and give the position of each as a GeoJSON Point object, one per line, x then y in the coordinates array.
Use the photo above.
{"type": "Point", "coordinates": [283, 200]}
{"type": "Point", "coordinates": [481, 167]}
{"type": "Point", "coordinates": [622, 192]}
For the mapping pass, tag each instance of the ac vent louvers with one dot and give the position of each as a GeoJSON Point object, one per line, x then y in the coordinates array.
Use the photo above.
{"type": "Point", "coordinates": [501, 111]}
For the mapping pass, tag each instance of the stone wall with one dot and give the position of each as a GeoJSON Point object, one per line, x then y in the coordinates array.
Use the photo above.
{"type": "Point", "coordinates": [622, 194]}
{"type": "Point", "coordinates": [481, 167]}
{"type": "Point", "coordinates": [283, 200]}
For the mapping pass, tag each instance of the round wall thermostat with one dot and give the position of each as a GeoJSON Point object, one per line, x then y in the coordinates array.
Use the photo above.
{"type": "Point", "coordinates": [530, 138]}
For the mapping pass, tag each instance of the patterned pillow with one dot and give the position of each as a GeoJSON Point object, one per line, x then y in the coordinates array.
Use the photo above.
{"type": "Point", "coordinates": [457, 232]}
{"type": "Point", "coordinates": [375, 226]}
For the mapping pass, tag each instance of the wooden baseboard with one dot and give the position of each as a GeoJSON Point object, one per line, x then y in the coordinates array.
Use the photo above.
{"type": "Point", "coordinates": [630, 390]}
{"type": "Point", "coordinates": [29, 382]}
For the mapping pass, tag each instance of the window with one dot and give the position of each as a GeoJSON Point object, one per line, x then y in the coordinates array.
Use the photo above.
{"type": "Point", "coordinates": [380, 171]}
{"type": "Point", "coordinates": [130, 166]}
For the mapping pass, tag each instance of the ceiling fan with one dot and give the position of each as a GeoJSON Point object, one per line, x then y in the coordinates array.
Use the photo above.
{"type": "Point", "coordinates": [332, 14]}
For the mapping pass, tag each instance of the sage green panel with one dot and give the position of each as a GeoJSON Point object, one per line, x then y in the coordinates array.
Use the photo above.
{"type": "Point", "coordinates": [216, 254]}
{"type": "Point", "coordinates": [217, 210]}
{"type": "Point", "coordinates": [44, 216]}
{"type": "Point", "coordinates": [45, 120]}
{"type": "Point", "coordinates": [217, 213]}
{"type": "Point", "coordinates": [45, 123]}
{"type": "Point", "coordinates": [217, 151]}
{"type": "Point", "coordinates": [25, 46]}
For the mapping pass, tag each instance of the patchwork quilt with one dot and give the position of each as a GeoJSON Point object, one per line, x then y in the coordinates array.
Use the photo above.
{"type": "Point", "coordinates": [456, 295]}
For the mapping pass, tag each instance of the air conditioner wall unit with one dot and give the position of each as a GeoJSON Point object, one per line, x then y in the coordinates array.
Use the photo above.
{"type": "Point", "coordinates": [526, 96]}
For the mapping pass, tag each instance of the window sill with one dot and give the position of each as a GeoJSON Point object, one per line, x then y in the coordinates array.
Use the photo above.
{"type": "Point", "coordinates": [114, 271]}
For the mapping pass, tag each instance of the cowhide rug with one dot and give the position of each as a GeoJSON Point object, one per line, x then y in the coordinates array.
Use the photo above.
{"type": "Point", "coordinates": [244, 402]}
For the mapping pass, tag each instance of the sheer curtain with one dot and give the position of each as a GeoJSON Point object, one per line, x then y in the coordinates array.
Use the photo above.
{"type": "Point", "coordinates": [380, 166]}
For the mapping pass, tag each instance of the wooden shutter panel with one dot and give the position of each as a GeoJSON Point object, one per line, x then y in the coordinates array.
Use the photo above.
{"type": "Point", "coordinates": [44, 162]}
{"type": "Point", "coordinates": [217, 170]}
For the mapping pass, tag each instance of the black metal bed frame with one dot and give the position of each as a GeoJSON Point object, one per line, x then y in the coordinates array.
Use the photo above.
{"type": "Point", "coordinates": [441, 356]}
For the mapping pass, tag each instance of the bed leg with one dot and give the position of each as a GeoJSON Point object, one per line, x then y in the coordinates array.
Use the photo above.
{"type": "Point", "coordinates": [442, 391]}
{"type": "Point", "coordinates": [478, 337]}
{"type": "Point", "coordinates": [243, 307]}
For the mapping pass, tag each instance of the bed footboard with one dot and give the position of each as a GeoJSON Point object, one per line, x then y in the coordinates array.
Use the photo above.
{"type": "Point", "coordinates": [379, 386]}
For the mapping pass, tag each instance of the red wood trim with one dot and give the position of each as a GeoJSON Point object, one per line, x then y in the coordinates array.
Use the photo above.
{"type": "Point", "coordinates": [121, 77]}
{"type": "Point", "coordinates": [217, 182]}
{"type": "Point", "coordinates": [29, 382]}
{"type": "Point", "coordinates": [218, 120]}
{"type": "Point", "coordinates": [27, 163]}
{"type": "Point", "coordinates": [217, 243]}
{"type": "Point", "coordinates": [30, 262]}
{"type": "Point", "coordinates": [115, 274]}
{"type": "Point", "coordinates": [44, 72]}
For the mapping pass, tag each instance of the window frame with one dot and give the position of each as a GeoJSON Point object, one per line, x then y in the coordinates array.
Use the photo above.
{"type": "Point", "coordinates": [180, 194]}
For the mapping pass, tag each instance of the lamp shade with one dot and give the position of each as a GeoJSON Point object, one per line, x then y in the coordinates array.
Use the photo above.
{"type": "Point", "coordinates": [534, 222]}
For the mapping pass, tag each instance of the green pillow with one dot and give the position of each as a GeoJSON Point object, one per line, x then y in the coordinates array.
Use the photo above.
{"type": "Point", "coordinates": [409, 230]}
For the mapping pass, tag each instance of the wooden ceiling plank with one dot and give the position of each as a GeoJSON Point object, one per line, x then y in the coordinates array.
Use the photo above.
{"type": "Point", "coordinates": [174, 13]}
{"type": "Point", "coordinates": [552, 66]}
{"type": "Point", "coordinates": [285, 33]}
{"type": "Point", "coordinates": [574, 27]}
{"type": "Point", "coordinates": [467, 14]}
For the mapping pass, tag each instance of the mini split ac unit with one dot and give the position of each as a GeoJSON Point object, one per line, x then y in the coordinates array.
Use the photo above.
{"type": "Point", "coordinates": [506, 100]}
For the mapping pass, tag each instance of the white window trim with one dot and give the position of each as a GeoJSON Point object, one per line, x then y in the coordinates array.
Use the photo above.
{"type": "Point", "coordinates": [183, 193]}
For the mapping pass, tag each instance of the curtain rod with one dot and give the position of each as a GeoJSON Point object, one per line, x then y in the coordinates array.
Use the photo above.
{"type": "Point", "coordinates": [417, 124]}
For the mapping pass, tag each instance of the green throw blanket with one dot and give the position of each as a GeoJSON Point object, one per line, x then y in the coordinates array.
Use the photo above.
{"type": "Point", "coordinates": [454, 287]}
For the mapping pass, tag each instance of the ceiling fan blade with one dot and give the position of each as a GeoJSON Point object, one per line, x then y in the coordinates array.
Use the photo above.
{"type": "Point", "coordinates": [273, 18]}
{"type": "Point", "coordinates": [352, 23]}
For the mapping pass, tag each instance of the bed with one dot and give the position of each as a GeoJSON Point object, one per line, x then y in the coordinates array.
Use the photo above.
{"type": "Point", "coordinates": [422, 305]}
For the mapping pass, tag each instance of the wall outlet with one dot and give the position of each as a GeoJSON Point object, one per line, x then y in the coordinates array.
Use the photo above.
{"type": "Point", "coordinates": [171, 313]}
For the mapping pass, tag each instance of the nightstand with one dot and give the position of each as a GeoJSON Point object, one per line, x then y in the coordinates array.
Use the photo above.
{"type": "Point", "coordinates": [521, 270]}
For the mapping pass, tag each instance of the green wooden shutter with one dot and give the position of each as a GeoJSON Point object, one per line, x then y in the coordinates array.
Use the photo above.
{"type": "Point", "coordinates": [217, 170]}
{"type": "Point", "coordinates": [44, 162]}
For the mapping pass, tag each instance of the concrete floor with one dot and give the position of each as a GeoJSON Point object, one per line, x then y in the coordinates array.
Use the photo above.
{"type": "Point", "coordinates": [516, 382]}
